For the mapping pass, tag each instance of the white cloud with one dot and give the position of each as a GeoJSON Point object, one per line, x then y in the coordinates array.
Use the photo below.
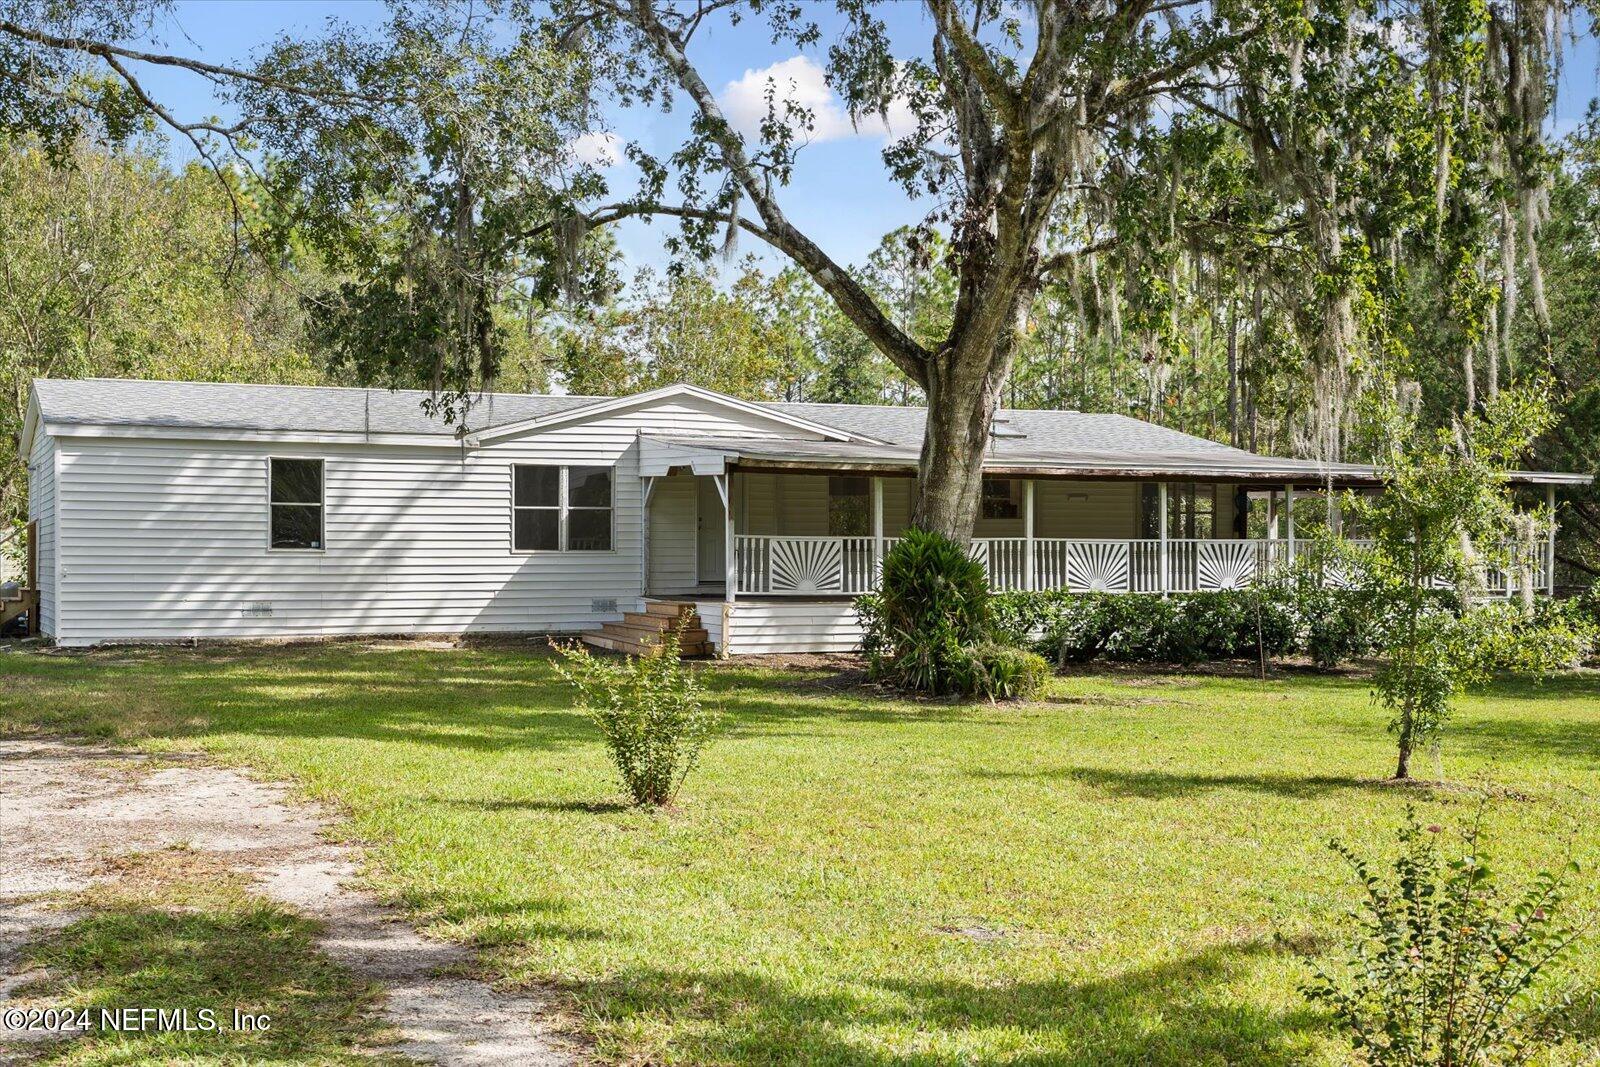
{"type": "Point", "coordinates": [801, 81]}
{"type": "Point", "coordinates": [597, 148]}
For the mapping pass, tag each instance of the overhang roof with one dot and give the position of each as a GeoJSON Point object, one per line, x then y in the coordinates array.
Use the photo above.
{"type": "Point", "coordinates": [662, 453]}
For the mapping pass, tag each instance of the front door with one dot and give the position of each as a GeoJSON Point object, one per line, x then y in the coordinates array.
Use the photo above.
{"type": "Point", "coordinates": [710, 556]}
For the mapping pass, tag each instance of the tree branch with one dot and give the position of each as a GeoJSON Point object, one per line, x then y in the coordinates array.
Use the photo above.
{"type": "Point", "coordinates": [1059, 260]}
{"type": "Point", "coordinates": [1156, 80]}
{"type": "Point", "coordinates": [852, 299]}
{"type": "Point", "coordinates": [1005, 99]}
{"type": "Point", "coordinates": [210, 70]}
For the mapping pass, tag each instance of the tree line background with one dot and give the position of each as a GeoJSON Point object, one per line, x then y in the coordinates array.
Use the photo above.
{"type": "Point", "coordinates": [1458, 243]}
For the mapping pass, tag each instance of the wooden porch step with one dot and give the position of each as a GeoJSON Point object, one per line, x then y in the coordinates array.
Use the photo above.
{"type": "Point", "coordinates": [660, 622]}
{"type": "Point", "coordinates": [12, 606]}
{"type": "Point", "coordinates": [614, 643]}
{"type": "Point", "coordinates": [692, 635]}
{"type": "Point", "coordinates": [671, 609]}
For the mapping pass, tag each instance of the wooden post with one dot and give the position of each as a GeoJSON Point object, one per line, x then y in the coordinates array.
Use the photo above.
{"type": "Point", "coordinates": [1288, 515]}
{"type": "Point", "coordinates": [1027, 533]}
{"type": "Point", "coordinates": [730, 560]}
{"type": "Point", "coordinates": [1550, 551]}
{"type": "Point", "coordinates": [730, 546]}
{"type": "Point", "coordinates": [877, 530]}
{"type": "Point", "coordinates": [1161, 509]}
{"type": "Point", "coordinates": [647, 492]}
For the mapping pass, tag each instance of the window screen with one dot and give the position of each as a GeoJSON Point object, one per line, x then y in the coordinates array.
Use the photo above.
{"type": "Point", "coordinates": [561, 508]}
{"type": "Point", "coordinates": [296, 503]}
{"type": "Point", "coordinates": [849, 506]}
{"type": "Point", "coordinates": [1191, 510]}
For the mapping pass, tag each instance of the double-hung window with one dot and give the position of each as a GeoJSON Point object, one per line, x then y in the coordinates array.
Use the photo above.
{"type": "Point", "coordinates": [561, 509]}
{"type": "Point", "coordinates": [295, 501]}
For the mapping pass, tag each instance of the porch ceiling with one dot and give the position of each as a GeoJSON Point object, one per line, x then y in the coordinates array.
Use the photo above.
{"type": "Point", "coordinates": [662, 453]}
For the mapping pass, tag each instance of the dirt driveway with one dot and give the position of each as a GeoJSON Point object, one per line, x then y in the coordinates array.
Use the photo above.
{"type": "Point", "coordinates": [66, 809]}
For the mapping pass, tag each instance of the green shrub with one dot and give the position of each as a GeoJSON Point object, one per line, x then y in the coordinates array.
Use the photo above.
{"type": "Point", "coordinates": [1022, 618]}
{"type": "Point", "coordinates": [1146, 627]}
{"type": "Point", "coordinates": [1440, 966]}
{"type": "Point", "coordinates": [1004, 672]}
{"type": "Point", "coordinates": [649, 711]}
{"type": "Point", "coordinates": [934, 606]}
{"type": "Point", "coordinates": [1506, 639]}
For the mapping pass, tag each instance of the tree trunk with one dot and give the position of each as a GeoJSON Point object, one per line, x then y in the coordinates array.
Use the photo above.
{"type": "Point", "coordinates": [1233, 372]}
{"type": "Point", "coordinates": [1403, 770]}
{"type": "Point", "coordinates": [963, 393]}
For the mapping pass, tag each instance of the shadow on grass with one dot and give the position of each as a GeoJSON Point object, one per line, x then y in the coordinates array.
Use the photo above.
{"type": "Point", "coordinates": [252, 956]}
{"type": "Point", "coordinates": [581, 807]}
{"type": "Point", "coordinates": [1165, 785]}
{"type": "Point", "coordinates": [1168, 1013]}
{"type": "Point", "coordinates": [1568, 738]}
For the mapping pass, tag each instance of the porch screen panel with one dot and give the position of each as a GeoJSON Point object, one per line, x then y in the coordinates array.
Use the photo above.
{"type": "Point", "coordinates": [849, 506]}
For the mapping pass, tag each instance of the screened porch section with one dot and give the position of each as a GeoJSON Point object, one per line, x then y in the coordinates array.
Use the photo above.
{"type": "Point", "coordinates": [818, 535]}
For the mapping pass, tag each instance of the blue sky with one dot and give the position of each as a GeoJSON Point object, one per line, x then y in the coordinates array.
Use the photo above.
{"type": "Point", "coordinates": [840, 195]}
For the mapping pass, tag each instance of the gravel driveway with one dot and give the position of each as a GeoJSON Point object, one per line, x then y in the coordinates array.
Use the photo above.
{"type": "Point", "coordinates": [66, 808]}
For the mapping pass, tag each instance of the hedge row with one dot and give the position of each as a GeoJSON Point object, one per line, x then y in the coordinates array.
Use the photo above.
{"type": "Point", "coordinates": [1331, 626]}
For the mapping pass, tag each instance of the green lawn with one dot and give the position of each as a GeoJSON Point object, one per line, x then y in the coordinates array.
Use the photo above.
{"type": "Point", "coordinates": [1134, 870]}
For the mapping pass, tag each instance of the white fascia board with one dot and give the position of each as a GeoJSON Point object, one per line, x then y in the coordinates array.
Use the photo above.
{"type": "Point", "coordinates": [191, 433]}
{"type": "Point", "coordinates": [30, 424]}
{"type": "Point", "coordinates": [668, 392]}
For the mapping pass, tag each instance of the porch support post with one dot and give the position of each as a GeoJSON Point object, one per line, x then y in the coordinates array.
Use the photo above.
{"type": "Point", "coordinates": [644, 535]}
{"type": "Point", "coordinates": [1288, 515]}
{"type": "Point", "coordinates": [877, 529]}
{"type": "Point", "coordinates": [730, 556]}
{"type": "Point", "coordinates": [1161, 511]}
{"type": "Point", "coordinates": [1550, 549]}
{"type": "Point", "coordinates": [1027, 533]}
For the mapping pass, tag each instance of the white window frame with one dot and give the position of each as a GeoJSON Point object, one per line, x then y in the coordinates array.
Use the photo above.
{"type": "Point", "coordinates": [562, 508]}
{"type": "Point", "coordinates": [321, 505]}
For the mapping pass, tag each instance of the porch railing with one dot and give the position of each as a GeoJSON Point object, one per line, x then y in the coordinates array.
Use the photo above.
{"type": "Point", "coordinates": [770, 565]}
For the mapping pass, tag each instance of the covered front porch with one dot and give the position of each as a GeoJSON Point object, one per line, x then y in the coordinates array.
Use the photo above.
{"type": "Point", "coordinates": [797, 535]}
{"type": "Point", "coordinates": [772, 540]}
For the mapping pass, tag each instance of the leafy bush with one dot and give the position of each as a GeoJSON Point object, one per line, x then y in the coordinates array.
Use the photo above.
{"type": "Point", "coordinates": [1440, 965]}
{"type": "Point", "coordinates": [1506, 639]}
{"type": "Point", "coordinates": [1143, 627]}
{"type": "Point", "coordinates": [649, 711]}
{"type": "Point", "coordinates": [934, 606]}
{"type": "Point", "coordinates": [1004, 672]}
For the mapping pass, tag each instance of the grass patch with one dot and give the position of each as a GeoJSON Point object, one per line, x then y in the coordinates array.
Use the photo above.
{"type": "Point", "coordinates": [176, 930]}
{"type": "Point", "coordinates": [1133, 870]}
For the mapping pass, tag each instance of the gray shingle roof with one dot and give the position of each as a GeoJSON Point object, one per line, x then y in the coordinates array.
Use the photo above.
{"type": "Point", "coordinates": [288, 408]}
{"type": "Point", "coordinates": [1041, 437]}
{"type": "Point", "coordinates": [321, 409]}
{"type": "Point", "coordinates": [1049, 431]}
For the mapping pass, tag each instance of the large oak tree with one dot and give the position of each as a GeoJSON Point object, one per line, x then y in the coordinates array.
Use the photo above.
{"type": "Point", "coordinates": [1316, 142]}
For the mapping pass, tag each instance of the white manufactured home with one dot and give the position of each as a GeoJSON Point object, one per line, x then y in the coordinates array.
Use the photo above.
{"type": "Point", "coordinates": [171, 511]}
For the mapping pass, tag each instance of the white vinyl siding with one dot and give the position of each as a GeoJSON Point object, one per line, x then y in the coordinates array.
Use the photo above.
{"type": "Point", "coordinates": [165, 539]}
{"type": "Point", "coordinates": [42, 510]}
{"type": "Point", "coordinates": [794, 626]}
{"type": "Point", "coordinates": [1085, 509]}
